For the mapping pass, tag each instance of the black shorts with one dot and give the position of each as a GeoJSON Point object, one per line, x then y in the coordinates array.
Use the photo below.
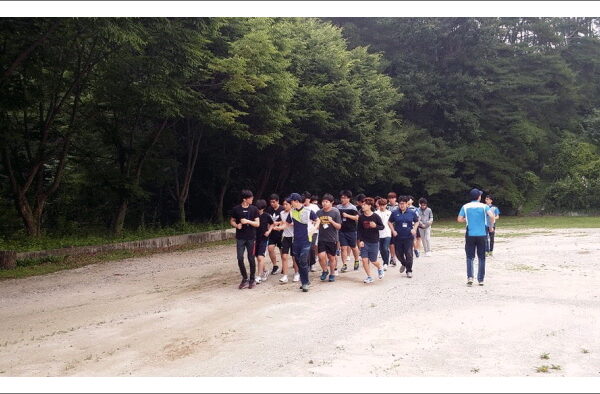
{"type": "Point", "coordinates": [329, 247]}
{"type": "Point", "coordinates": [275, 238]}
{"type": "Point", "coordinates": [286, 245]}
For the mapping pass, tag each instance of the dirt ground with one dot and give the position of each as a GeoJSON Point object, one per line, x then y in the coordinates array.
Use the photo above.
{"type": "Point", "coordinates": [181, 314]}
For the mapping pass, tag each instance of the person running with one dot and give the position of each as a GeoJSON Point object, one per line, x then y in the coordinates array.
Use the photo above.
{"type": "Point", "coordinates": [403, 223]}
{"type": "Point", "coordinates": [274, 209]}
{"type": "Point", "coordinates": [262, 240]}
{"type": "Point", "coordinates": [301, 216]}
{"type": "Point", "coordinates": [476, 214]}
{"type": "Point", "coordinates": [392, 206]}
{"type": "Point", "coordinates": [244, 218]}
{"type": "Point", "coordinates": [417, 235]}
{"type": "Point", "coordinates": [286, 243]}
{"type": "Point", "coordinates": [308, 202]}
{"type": "Point", "coordinates": [425, 222]}
{"type": "Point", "coordinates": [385, 235]}
{"type": "Point", "coordinates": [369, 225]}
{"type": "Point", "coordinates": [489, 247]}
{"type": "Point", "coordinates": [348, 231]}
{"type": "Point", "coordinates": [330, 222]}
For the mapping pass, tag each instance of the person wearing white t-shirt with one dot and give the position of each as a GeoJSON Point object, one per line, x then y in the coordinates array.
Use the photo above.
{"type": "Point", "coordinates": [385, 235]}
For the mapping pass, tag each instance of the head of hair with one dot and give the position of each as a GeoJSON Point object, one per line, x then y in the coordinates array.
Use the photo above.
{"type": "Point", "coordinates": [346, 193]}
{"type": "Point", "coordinates": [403, 199]}
{"type": "Point", "coordinates": [410, 197]}
{"type": "Point", "coordinates": [314, 197]}
{"type": "Point", "coordinates": [490, 197]}
{"type": "Point", "coordinates": [246, 194]}
{"type": "Point", "coordinates": [392, 195]}
{"type": "Point", "coordinates": [382, 202]}
{"type": "Point", "coordinates": [288, 200]}
{"type": "Point", "coordinates": [360, 197]}
{"type": "Point", "coordinates": [422, 200]}
{"type": "Point", "coordinates": [274, 197]}
{"type": "Point", "coordinates": [261, 204]}
{"type": "Point", "coordinates": [369, 201]}
{"type": "Point", "coordinates": [328, 197]}
{"type": "Point", "coordinates": [306, 196]}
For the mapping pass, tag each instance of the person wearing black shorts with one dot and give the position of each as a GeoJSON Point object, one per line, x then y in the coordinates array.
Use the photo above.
{"type": "Point", "coordinates": [330, 222]}
{"type": "Point", "coordinates": [274, 209]}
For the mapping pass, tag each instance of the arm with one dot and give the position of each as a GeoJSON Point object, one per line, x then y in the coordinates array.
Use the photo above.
{"type": "Point", "coordinates": [234, 224]}
{"type": "Point", "coordinates": [271, 227]}
{"type": "Point", "coordinates": [492, 220]}
{"type": "Point", "coordinates": [351, 217]}
{"type": "Point", "coordinates": [460, 219]}
{"type": "Point", "coordinates": [391, 226]}
{"type": "Point", "coordinates": [379, 223]}
{"type": "Point", "coordinates": [335, 224]}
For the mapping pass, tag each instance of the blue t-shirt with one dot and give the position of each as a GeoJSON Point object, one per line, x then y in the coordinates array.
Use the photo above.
{"type": "Point", "coordinates": [300, 219]}
{"type": "Point", "coordinates": [495, 211]}
{"type": "Point", "coordinates": [475, 213]}
{"type": "Point", "coordinates": [403, 222]}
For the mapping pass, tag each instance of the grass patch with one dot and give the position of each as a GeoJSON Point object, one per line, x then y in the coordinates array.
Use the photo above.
{"type": "Point", "coordinates": [523, 222]}
{"type": "Point", "coordinates": [542, 369]}
{"type": "Point", "coordinates": [22, 243]}
{"type": "Point", "coordinates": [47, 265]}
{"type": "Point", "coordinates": [545, 356]}
{"type": "Point", "coordinates": [555, 367]}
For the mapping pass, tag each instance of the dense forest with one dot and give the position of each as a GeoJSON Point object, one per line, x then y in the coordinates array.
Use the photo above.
{"type": "Point", "coordinates": [117, 123]}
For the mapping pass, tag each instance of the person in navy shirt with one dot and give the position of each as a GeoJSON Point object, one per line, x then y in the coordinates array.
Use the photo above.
{"type": "Point", "coordinates": [477, 216]}
{"type": "Point", "coordinates": [403, 223]}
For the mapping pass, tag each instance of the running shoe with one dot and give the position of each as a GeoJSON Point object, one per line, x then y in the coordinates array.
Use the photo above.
{"type": "Point", "coordinates": [356, 265]}
{"type": "Point", "coordinates": [305, 288]}
{"type": "Point", "coordinates": [368, 279]}
{"type": "Point", "coordinates": [470, 282]}
{"type": "Point", "coordinates": [332, 278]}
{"type": "Point", "coordinates": [335, 272]}
{"type": "Point", "coordinates": [243, 284]}
{"type": "Point", "coordinates": [416, 253]}
{"type": "Point", "coordinates": [251, 285]}
{"type": "Point", "coordinates": [275, 270]}
{"type": "Point", "coordinates": [257, 280]}
{"type": "Point", "coordinates": [385, 267]}
{"type": "Point", "coordinates": [296, 277]}
{"type": "Point", "coordinates": [264, 276]}
{"type": "Point", "coordinates": [481, 283]}
{"type": "Point", "coordinates": [324, 275]}
{"type": "Point", "coordinates": [344, 268]}
{"type": "Point", "coordinates": [283, 279]}
{"type": "Point", "coordinates": [347, 259]}
{"type": "Point", "coordinates": [380, 272]}
{"type": "Point", "coordinates": [312, 268]}
{"type": "Point", "coordinates": [402, 268]}
{"type": "Point", "coordinates": [393, 263]}
{"type": "Point", "coordinates": [409, 274]}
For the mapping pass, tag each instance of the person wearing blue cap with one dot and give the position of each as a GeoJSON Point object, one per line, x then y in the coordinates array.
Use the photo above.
{"type": "Point", "coordinates": [474, 215]}
{"type": "Point", "coordinates": [301, 216]}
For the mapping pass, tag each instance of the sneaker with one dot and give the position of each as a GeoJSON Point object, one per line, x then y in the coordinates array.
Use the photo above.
{"type": "Point", "coordinates": [380, 272]}
{"type": "Point", "coordinates": [470, 282]}
{"type": "Point", "coordinates": [416, 253]}
{"type": "Point", "coordinates": [385, 267]}
{"type": "Point", "coordinates": [487, 254]}
{"type": "Point", "coordinates": [296, 277]}
{"type": "Point", "coordinates": [305, 288]}
{"type": "Point", "coordinates": [481, 283]}
{"type": "Point", "coordinates": [283, 279]}
{"type": "Point", "coordinates": [409, 274]}
{"type": "Point", "coordinates": [428, 254]}
{"type": "Point", "coordinates": [332, 278]}
{"type": "Point", "coordinates": [275, 270]}
{"type": "Point", "coordinates": [356, 265]}
{"type": "Point", "coordinates": [264, 276]}
{"type": "Point", "coordinates": [402, 268]}
{"type": "Point", "coordinates": [348, 259]}
{"type": "Point", "coordinates": [251, 284]}
{"type": "Point", "coordinates": [335, 272]}
{"type": "Point", "coordinates": [312, 268]}
{"type": "Point", "coordinates": [344, 268]}
{"type": "Point", "coordinates": [257, 280]}
{"type": "Point", "coordinates": [393, 263]}
{"type": "Point", "coordinates": [368, 279]}
{"type": "Point", "coordinates": [492, 253]}
{"type": "Point", "coordinates": [309, 283]}
{"type": "Point", "coordinates": [324, 275]}
{"type": "Point", "coordinates": [243, 284]}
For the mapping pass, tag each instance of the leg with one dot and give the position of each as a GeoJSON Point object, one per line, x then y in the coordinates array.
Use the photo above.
{"type": "Point", "coordinates": [240, 246]}
{"type": "Point", "coordinates": [470, 246]}
{"type": "Point", "coordinates": [481, 242]}
{"type": "Point", "coordinates": [284, 264]}
{"type": "Point", "coordinates": [365, 262]}
{"type": "Point", "coordinates": [260, 264]}
{"type": "Point", "coordinates": [492, 235]}
{"type": "Point", "coordinates": [304, 252]}
{"type": "Point", "coordinates": [332, 263]}
{"type": "Point", "coordinates": [426, 237]}
{"type": "Point", "coordinates": [393, 251]}
{"type": "Point", "coordinates": [409, 255]}
{"type": "Point", "coordinates": [323, 260]}
{"type": "Point", "coordinates": [272, 254]}
{"type": "Point", "coordinates": [384, 247]}
{"type": "Point", "coordinates": [250, 248]}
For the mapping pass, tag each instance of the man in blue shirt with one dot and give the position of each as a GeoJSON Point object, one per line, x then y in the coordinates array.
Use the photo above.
{"type": "Point", "coordinates": [477, 216]}
{"type": "Point", "coordinates": [300, 217]}
{"type": "Point", "coordinates": [489, 247]}
{"type": "Point", "coordinates": [404, 222]}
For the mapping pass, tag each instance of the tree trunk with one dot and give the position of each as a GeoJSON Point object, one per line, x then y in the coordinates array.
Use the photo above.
{"type": "Point", "coordinates": [181, 204]}
{"type": "Point", "coordinates": [120, 218]}
{"type": "Point", "coordinates": [219, 213]}
{"type": "Point", "coordinates": [266, 175]}
{"type": "Point", "coordinates": [8, 259]}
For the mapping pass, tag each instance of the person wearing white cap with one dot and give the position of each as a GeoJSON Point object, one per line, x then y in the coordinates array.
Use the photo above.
{"type": "Point", "coordinates": [474, 215]}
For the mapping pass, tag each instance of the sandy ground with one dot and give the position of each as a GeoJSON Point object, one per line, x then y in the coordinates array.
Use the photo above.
{"type": "Point", "coordinates": [181, 314]}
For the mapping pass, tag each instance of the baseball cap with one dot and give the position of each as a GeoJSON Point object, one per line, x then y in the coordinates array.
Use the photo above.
{"type": "Point", "coordinates": [475, 193]}
{"type": "Point", "coordinates": [296, 197]}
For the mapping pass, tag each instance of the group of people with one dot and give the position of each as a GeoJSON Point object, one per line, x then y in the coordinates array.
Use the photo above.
{"type": "Point", "coordinates": [309, 234]}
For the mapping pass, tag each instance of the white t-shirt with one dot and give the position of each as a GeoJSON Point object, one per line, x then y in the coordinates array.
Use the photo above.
{"type": "Point", "coordinates": [385, 217]}
{"type": "Point", "coordinates": [288, 231]}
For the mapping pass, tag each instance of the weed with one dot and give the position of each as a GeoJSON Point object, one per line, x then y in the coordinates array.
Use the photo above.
{"type": "Point", "coordinates": [585, 351]}
{"type": "Point", "coordinates": [542, 369]}
{"type": "Point", "coordinates": [474, 370]}
{"type": "Point", "coordinates": [311, 362]}
{"type": "Point", "coordinates": [545, 356]}
{"type": "Point", "coordinates": [555, 367]}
